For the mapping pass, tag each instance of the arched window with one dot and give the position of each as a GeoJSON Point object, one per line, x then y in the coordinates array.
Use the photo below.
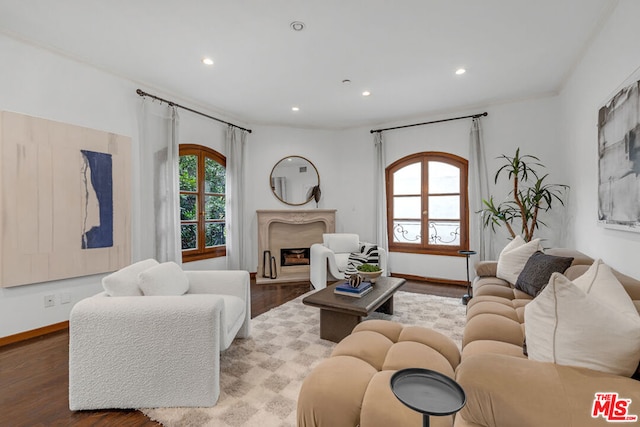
{"type": "Point", "coordinates": [202, 202]}
{"type": "Point", "coordinates": [427, 204]}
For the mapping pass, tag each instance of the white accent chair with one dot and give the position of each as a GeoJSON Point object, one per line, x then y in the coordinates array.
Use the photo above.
{"type": "Point", "coordinates": [156, 351]}
{"type": "Point", "coordinates": [332, 256]}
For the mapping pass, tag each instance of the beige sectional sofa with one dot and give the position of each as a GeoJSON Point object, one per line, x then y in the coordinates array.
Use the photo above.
{"type": "Point", "coordinates": [503, 386]}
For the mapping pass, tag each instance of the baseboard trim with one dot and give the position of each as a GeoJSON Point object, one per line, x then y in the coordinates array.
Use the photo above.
{"type": "Point", "coordinates": [23, 336]}
{"type": "Point", "coordinates": [429, 279]}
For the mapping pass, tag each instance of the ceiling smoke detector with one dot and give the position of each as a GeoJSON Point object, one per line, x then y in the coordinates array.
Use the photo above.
{"type": "Point", "coordinates": [297, 25]}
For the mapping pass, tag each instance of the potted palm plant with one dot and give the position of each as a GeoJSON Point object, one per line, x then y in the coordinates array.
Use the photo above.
{"type": "Point", "coordinates": [529, 196]}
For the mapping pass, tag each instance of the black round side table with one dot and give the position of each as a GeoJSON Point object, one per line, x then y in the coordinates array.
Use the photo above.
{"type": "Point", "coordinates": [428, 392]}
{"type": "Point", "coordinates": [466, 297]}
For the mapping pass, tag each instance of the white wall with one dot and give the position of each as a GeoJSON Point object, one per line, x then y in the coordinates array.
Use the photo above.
{"type": "Point", "coordinates": [42, 84]}
{"type": "Point", "coordinates": [532, 125]}
{"type": "Point", "coordinates": [612, 58]}
{"type": "Point", "coordinates": [39, 83]}
{"type": "Point", "coordinates": [345, 161]}
{"type": "Point", "coordinates": [345, 177]}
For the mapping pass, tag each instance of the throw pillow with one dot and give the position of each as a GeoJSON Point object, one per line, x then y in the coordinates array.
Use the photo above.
{"type": "Point", "coordinates": [356, 259]}
{"type": "Point", "coordinates": [568, 326]}
{"type": "Point", "coordinates": [164, 279]}
{"type": "Point", "coordinates": [124, 282]}
{"type": "Point", "coordinates": [368, 255]}
{"type": "Point", "coordinates": [538, 270]}
{"type": "Point", "coordinates": [600, 282]}
{"type": "Point", "coordinates": [513, 258]}
{"type": "Point", "coordinates": [341, 242]}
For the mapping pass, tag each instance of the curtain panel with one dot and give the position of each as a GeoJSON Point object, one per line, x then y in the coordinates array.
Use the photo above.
{"type": "Point", "coordinates": [381, 193]}
{"type": "Point", "coordinates": [479, 190]}
{"type": "Point", "coordinates": [158, 195]}
{"type": "Point", "coordinates": [235, 190]}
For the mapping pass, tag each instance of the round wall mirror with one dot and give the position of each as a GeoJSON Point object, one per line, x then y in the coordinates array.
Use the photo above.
{"type": "Point", "coordinates": [295, 181]}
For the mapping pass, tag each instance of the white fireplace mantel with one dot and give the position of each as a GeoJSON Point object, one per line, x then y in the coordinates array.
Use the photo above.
{"type": "Point", "coordinates": [279, 229]}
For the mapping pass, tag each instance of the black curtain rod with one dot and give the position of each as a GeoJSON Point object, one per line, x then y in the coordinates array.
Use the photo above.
{"type": "Point", "coordinates": [173, 104]}
{"type": "Point", "coordinates": [473, 116]}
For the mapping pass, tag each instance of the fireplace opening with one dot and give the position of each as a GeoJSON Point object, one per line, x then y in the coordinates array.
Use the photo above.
{"type": "Point", "coordinates": [294, 256]}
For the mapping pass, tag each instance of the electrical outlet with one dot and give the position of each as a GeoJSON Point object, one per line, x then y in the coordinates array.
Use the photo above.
{"type": "Point", "coordinates": [49, 300]}
{"type": "Point", "coordinates": [65, 298]}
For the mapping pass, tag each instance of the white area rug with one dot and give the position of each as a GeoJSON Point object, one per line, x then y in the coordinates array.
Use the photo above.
{"type": "Point", "coordinates": [261, 376]}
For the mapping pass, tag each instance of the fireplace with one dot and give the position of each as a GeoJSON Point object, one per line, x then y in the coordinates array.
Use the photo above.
{"type": "Point", "coordinates": [294, 256]}
{"type": "Point", "coordinates": [287, 236]}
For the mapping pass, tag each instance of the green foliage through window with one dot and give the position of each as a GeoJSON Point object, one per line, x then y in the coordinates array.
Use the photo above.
{"type": "Point", "coordinates": [202, 175]}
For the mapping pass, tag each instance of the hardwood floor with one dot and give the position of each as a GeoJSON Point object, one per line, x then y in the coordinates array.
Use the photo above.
{"type": "Point", "coordinates": [34, 374]}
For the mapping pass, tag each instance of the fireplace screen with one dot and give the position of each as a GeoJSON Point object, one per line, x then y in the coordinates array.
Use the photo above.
{"type": "Point", "coordinates": [294, 256]}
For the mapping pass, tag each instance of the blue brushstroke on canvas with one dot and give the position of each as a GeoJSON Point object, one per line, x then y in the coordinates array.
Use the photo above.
{"type": "Point", "coordinates": [100, 165]}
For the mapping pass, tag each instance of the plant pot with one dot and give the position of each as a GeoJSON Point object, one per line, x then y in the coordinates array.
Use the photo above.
{"type": "Point", "coordinates": [370, 276]}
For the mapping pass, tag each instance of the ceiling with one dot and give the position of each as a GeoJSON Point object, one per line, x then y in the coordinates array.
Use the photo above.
{"type": "Point", "coordinates": [404, 52]}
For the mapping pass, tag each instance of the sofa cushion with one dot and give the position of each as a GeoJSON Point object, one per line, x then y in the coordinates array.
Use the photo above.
{"type": "Point", "coordinates": [587, 324]}
{"type": "Point", "coordinates": [341, 242]}
{"type": "Point", "coordinates": [486, 268]}
{"type": "Point", "coordinates": [125, 282]}
{"type": "Point", "coordinates": [579, 258]}
{"type": "Point", "coordinates": [342, 261]}
{"type": "Point", "coordinates": [234, 309]}
{"type": "Point", "coordinates": [513, 258]}
{"type": "Point", "coordinates": [537, 271]}
{"type": "Point", "coordinates": [164, 279]}
{"type": "Point", "coordinates": [352, 386]}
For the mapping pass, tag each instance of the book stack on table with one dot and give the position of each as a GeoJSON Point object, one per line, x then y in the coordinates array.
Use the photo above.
{"type": "Point", "coordinates": [346, 289]}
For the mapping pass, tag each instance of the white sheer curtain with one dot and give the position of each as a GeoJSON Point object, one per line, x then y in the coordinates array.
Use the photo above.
{"type": "Point", "coordinates": [381, 195]}
{"type": "Point", "coordinates": [280, 186]}
{"type": "Point", "coordinates": [479, 189]}
{"type": "Point", "coordinates": [235, 148]}
{"type": "Point", "coordinates": [159, 195]}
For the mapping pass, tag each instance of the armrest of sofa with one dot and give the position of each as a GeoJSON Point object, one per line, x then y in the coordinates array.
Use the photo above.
{"type": "Point", "coordinates": [486, 268]}
{"type": "Point", "coordinates": [321, 258]}
{"type": "Point", "coordinates": [128, 352]}
{"type": "Point", "coordinates": [504, 390]}
{"type": "Point", "coordinates": [224, 282]}
{"type": "Point", "coordinates": [382, 260]}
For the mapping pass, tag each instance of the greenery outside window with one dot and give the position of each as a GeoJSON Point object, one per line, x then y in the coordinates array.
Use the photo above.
{"type": "Point", "coordinates": [202, 202]}
{"type": "Point", "coordinates": [427, 204]}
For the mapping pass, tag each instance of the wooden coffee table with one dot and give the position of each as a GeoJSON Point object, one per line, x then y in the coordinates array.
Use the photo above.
{"type": "Point", "coordinates": [339, 314]}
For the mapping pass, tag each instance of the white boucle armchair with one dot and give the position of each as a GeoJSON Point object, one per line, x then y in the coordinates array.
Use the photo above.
{"type": "Point", "coordinates": [329, 259]}
{"type": "Point", "coordinates": [156, 351]}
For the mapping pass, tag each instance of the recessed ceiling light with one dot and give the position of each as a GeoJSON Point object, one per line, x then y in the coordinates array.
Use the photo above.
{"type": "Point", "coordinates": [207, 61]}
{"type": "Point", "coordinates": [460, 71]}
{"type": "Point", "coordinates": [346, 81]}
{"type": "Point", "coordinates": [366, 93]}
{"type": "Point", "coordinates": [295, 108]}
{"type": "Point", "coordinates": [297, 25]}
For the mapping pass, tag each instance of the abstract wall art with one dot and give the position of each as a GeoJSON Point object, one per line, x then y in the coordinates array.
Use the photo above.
{"type": "Point", "coordinates": [97, 200]}
{"type": "Point", "coordinates": [619, 160]}
{"type": "Point", "coordinates": [65, 200]}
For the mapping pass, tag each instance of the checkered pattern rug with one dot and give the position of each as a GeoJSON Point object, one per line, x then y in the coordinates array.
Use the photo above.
{"type": "Point", "coordinates": [260, 377]}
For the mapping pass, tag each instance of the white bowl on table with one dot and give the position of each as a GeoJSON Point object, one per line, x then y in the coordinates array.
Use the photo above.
{"type": "Point", "coordinates": [370, 276]}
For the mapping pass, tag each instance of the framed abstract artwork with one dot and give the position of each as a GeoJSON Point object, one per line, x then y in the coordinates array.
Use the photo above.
{"type": "Point", "coordinates": [65, 200]}
{"type": "Point", "coordinates": [619, 160]}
